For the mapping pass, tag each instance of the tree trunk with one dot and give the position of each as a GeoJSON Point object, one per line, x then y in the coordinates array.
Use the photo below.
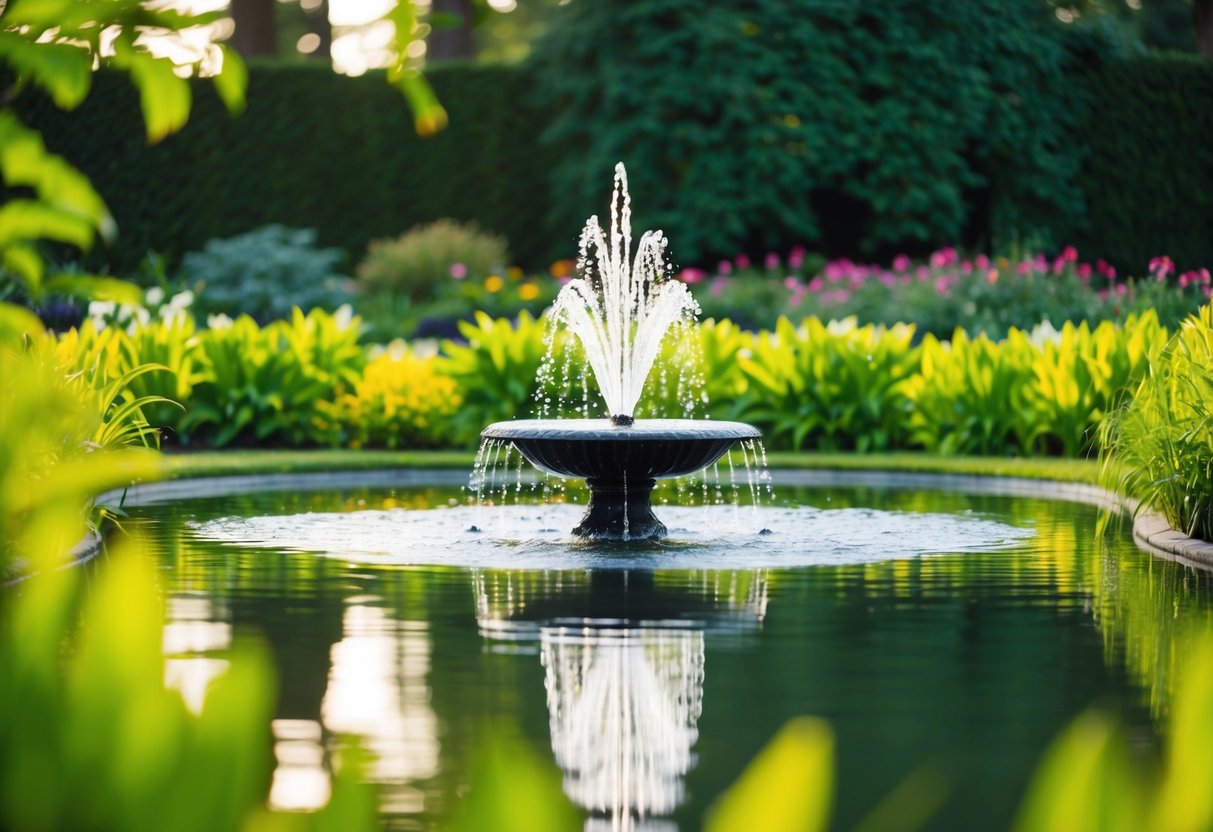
{"type": "Point", "coordinates": [318, 23]}
{"type": "Point", "coordinates": [1202, 21]}
{"type": "Point", "coordinates": [254, 35]}
{"type": "Point", "coordinates": [451, 42]}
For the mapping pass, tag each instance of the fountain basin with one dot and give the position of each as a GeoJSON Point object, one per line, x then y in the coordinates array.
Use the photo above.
{"type": "Point", "coordinates": [620, 463]}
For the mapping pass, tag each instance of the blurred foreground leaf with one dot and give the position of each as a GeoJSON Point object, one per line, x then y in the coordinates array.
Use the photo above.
{"type": "Point", "coordinates": [788, 786]}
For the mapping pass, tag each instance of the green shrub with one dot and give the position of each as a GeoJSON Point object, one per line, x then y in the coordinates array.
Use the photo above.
{"type": "Point", "coordinates": [831, 387]}
{"type": "Point", "coordinates": [1159, 446]}
{"type": "Point", "coordinates": [417, 263]}
{"type": "Point", "coordinates": [497, 371]}
{"type": "Point", "coordinates": [877, 140]}
{"type": "Point", "coordinates": [267, 384]}
{"type": "Point", "coordinates": [264, 274]}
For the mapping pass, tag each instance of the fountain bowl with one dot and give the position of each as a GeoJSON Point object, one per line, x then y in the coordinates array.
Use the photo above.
{"type": "Point", "coordinates": [620, 462]}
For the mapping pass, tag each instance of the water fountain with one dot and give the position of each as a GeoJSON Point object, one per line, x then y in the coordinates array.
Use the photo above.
{"type": "Point", "coordinates": [620, 309]}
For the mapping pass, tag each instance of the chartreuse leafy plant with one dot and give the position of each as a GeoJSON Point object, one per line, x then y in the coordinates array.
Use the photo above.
{"type": "Point", "coordinates": [1159, 445]}
{"type": "Point", "coordinates": [835, 386]}
{"type": "Point", "coordinates": [402, 400]}
{"type": "Point", "coordinates": [496, 371]}
{"type": "Point", "coordinates": [261, 382]}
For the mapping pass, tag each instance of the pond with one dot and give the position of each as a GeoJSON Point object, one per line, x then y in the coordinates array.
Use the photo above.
{"type": "Point", "coordinates": [942, 634]}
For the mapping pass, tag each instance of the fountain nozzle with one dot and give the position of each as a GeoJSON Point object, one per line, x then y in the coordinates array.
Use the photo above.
{"type": "Point", "coordinates": [622, 421]}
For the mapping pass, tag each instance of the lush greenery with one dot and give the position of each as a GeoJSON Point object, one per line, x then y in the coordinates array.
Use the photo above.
{"type": "Point", "coordinates": [1017, 169]}
{"type": "Point", "coordinates": [837, 386]}
{"type": "Point", "coordinates": [1160, 444]}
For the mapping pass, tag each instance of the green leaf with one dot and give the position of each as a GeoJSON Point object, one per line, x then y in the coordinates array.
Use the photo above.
{"type": "Point", "coordinates": [232, 82]}
{"type": "Point", "coordinates": [788, 786]}
{"type": "Point", "coordinates": [163, 97]}
{"type": "Point", "coordinates": [96, 288]}
{"type": "Point", "coordinates": [64, 71]}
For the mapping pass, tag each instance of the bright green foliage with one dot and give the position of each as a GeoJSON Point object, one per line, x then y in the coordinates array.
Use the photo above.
{"type": "Point", "coordinates": [855, 125]}
{"type": "Point", "coordinates": [496, 371]}
{"type": "Point", "coordinates": [1086, 782]}
{"type": "Point", "coordinates": [264, 274]}
{"type": "Point", "coordinates": [1080, 377]}
{"type": "Point", "coordinates": [788, 786]}
{"type": "Point", "coordinates": [63, 440]}
{"type": "Point", "coordinates": [969, 394]}
{"type": "Point", "coordinates": [418, 262]}
{"type": "Point", "coordinates": [401, 400]}
{"type": "Point", "coordinates": [514, 790]}
{"type": "Point", "coordinates": [829, 386]}
{"type": "Point", "coordinates": [261, 383]}
{"type": "Point", "coordinates": [1159, 446]}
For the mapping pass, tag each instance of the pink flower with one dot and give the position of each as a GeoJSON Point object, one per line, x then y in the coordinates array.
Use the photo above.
{"type": "Point", "coordinates": [888, 279]}
{"type": "Point", "coordinates": [724, 267]}
{"type": "Point", "coordinates": [901, 263]}
{"type": "Point", "coordinates": [816, 284]}
{"type": "Point", "coordinates": [1160, 267]}
{"type": "Point", "coordinates": [1205, 278]}
{"type": "Point", "coordinates": [1084, 272]}
{"type": "Point", "coordinates": [1104, 269]}
{"type": "Point", "coordinates": [1069, 254]}
{"type": "Point", "coordinates": [771, 261]}
{"type": "Point", "coordinates": [835, 271]}
{"type": "Point", "coordinates": [922, 273]}
{"type": "Point", "coordinates": [718, 287]}
{"type": "Point", "coordinates": [795, 300]}
{"type": "Point", "coordinates": [941, 285]}
{"type": "Point", "coordinates": [742, 261]}
{"type": "Point", "coordinates": [981, 262]}
{"type": "Point", "coordinates": [1024, 268]}
{"type": "Point", "coordinates": [791, 283]}
{"type": "Point", "coordinates": [992, 276]}
{"type": "Point", "coordinates": [692, 276]}
{"type": "Point", "coordinates": [966, 267]}
{"type": "Point", "coordinates": [1186, 278]}
{"type": "Point", "coordinates": [796, 257]}
{"type": "Point", "coordinates": [1121, 290]}
{"type": "Point", "coordinates": [459, 271]}
{"type": "Point", "coordinates": [944, 257]}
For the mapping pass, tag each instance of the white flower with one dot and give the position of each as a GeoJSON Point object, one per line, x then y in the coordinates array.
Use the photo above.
{"type": "Point", "coordinates": [182, 300]}
{"type": "Point", "coordinates": [219, 321]}
{"type": "Point", "coordinates": [344, 316]}
{"type": "Point", "coordinates": [154, 296]}
{"type": "Point", "coordinates": [1044, 333]}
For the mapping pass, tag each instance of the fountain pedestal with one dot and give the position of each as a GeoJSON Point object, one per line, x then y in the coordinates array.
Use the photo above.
{"type": "Point", "coordinates": [620, 462]}
{"type": "Point", "coordinates": [620, 510]}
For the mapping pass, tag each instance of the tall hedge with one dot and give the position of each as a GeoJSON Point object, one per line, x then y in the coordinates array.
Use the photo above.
{"type": "Point", "coordinates": [1148, 181]}
{"type": "Point", "coordinates": [315, 149]}
{"type": "Point", "coordinates": [746, 126]}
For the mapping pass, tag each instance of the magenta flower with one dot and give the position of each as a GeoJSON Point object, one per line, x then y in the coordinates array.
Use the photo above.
{"type": "Point", "coordinates": [796, 257]}
{"type": "Point", "coordinates": [816, 284]}
{"type": "Point", "coordinates": [901, 263]}
{"type": "Point", "coordinates": [1104, 269]}
{"type": "Point", "coordinates": [742, 261]}
{"type": "Point", "coordinates": [771, 261]}
{"type": "Point", "coordinates": [692, 276]}
{"type": "Point", "coordinates": [1069, 254]}
{"type": "Point", "coordinates": [791, 283]}
{"type": "Point", "coordinates": [1084, 272]}
{"type": "Point", "coordinates": [459, 271]}
{"type": "Point", "coordinates": [1161, 267]}
{"type": "Point", "coordinates": [982, 262]}
{"type": "Point", "coordinates": [724, 267]}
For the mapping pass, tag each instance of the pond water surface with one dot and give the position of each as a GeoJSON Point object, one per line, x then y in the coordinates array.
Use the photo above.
{"type": "Point", "coordinates": [940, 634]}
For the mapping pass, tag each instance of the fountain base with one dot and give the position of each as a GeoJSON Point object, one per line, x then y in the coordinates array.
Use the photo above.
{"type": "Point", "coordinates": [619, 510]}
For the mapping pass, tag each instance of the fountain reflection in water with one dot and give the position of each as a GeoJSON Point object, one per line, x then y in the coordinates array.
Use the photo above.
{"type": "Point", "coordinates": [624, 695]}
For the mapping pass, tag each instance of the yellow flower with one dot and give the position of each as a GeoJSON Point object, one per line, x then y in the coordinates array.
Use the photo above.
{"type": "Point", "coordinates": [514, 273]}
{"type": "Point", "coordinates": [493, 283]}
{"type": "Point", "coordinates": [528, 291]}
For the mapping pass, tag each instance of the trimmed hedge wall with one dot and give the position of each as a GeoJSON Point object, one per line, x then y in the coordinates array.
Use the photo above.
{"type": "Point", "coordinates": [314, 149]}
{"type": "Point", "coordinates": [1148, 181]}
{"type": "Point", "coordinates": [340, 154]}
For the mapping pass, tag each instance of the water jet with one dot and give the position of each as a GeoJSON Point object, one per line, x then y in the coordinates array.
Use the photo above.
{"type": "Point", "coordinates": [621, 309]}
